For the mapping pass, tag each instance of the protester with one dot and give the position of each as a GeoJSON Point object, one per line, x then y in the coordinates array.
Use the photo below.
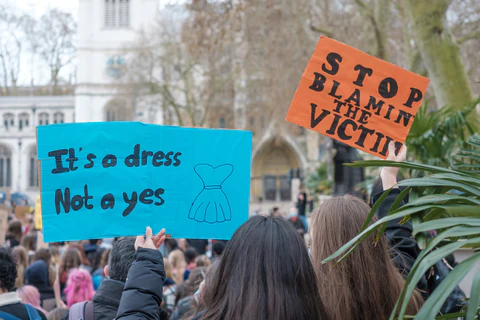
{"type": "Point", "coordinates": [364, 286]}
{"type": "Point", "coordinates": [106, 300]}
{"type": "Point", "coordinates": [296, 221]}
{"type": "Point", "coordinates": [14, 234]}
{"type": "Point", "coordinates": [100, 261]}
{"type": "Point", "coordinates": [302, 202]}
{"type": "Point", "coordinates": [185, 301]}
{"type": "Point", "coordinates": [217, 249]}
{"type": "Point", "coordinates": [39, 275]}
{"type": "Point", "coordinates": [204, 287]}
{"type": "Point", "coordinates": [10, 302]}
{"type": "Point", "coordinates": [169, 286]}
{"type": "Point", "coordinates": [177, 260]}
{"type": "Point", "coordinates": [30, 295]}
{"type": "Point", "coordinates": [142, 294]}
{"type": "Point", "coordinates": [190, 256]}
{"type": "Point", "coordinates": [79, 287]}
{"type": "Point", "coordinates": [90, 248]}
{"type": "Point", "coordinates": [202, 261]}
{"type": "Point", "coordinates": [71, 259]}
{"type": "Point", "coordinates": [21, 257]}
{"type": "Point", "coordinates": [85, 262]}
{"type": "Point", "coordinates": [200, 245]}
{"type": "Point", "coordinates": [29, 242]}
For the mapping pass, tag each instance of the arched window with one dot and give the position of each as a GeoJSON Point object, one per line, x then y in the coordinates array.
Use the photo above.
{"type": "Point", "coordinates": [23, 121]}
{"type": "Point", "coordinates": [8, 120]}
{"type": "Point", "coordinates": [58, 117]}
{"type": "Point", "coordinates": [43, 119]}
{"type": "Point", "coordinates": [117, 110]}
{"type": "Point", "coordinates": [5, 167]}
{"type": "Point", "coordinates": [33, 167]}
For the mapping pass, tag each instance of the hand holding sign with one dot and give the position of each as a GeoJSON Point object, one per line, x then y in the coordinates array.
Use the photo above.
{"type": "Point", "coordinates": [149, 241]}
{"type": "Point", "coordinates": [357, 99]}
{"type": "Point", "coordinates": [389, 174]}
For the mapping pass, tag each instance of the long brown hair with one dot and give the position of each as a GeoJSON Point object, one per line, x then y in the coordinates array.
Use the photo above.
{"type": "Point", "coordinates": [21, 258]}
{"type": "Point", "coordinates": [265, 273]}
{"type": "Point", "coordinates": [366, 285]}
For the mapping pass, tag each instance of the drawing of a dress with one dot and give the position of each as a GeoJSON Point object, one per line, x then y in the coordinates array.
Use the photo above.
{"type": "Point", "coordinates": [211, 205]}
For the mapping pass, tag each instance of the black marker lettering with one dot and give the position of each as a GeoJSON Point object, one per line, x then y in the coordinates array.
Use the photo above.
{"type": "Point", "coordinates": [131, 203]}
{"type": "Point", "coordinates": [58, 160]}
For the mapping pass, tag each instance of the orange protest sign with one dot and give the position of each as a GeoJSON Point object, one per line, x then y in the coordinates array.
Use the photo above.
{"type": "Point", "coordinates": [357, 99]}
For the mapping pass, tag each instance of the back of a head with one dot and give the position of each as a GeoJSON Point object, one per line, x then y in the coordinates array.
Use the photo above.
{"type": "Point", "coordinates": [29, 295]}
{"type": "Point", "coordinates": [70, 259]}
{"type": "Point", "coordinates": [202, 261]}
{"type": "Point", "coordinates": [190, 255]}
{"type": "Point", "coordinates": [365, 285]}
{"type": "Point", "coordinates": [15, 230]}
{"type": "Point", "coordinates": [265, 273]}
{"type": "Point", "coordinates": [8, 270]}
{"type": "Point", "coordinates": [21, 256]}
{"type": "Point", "coordinates": [217, 248]}
{"type": "Point", "coordinates": [38, 274]}
{"type": "Point", "coordinates": [79, 287]}
{"type": "Point", "coordinates": [177, 259]}
{"type": "Point", "coordinates": [42, 254]}
{"type": "Point", "coordinates": [30, 242]}
{"type": "Point", "coordinates": [80, 249]}
{"type": "Point", "coordinates": [194, 279]}
{"type": "Point", "coordinates": [121, 258]}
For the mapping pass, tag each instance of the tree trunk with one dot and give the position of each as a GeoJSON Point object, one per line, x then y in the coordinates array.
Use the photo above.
{"type": "Point", "coordinates": [439, 52]}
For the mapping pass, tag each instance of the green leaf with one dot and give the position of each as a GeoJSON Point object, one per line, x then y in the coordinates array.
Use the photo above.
{"type": "Point", "coordinates": [473, 308]}
{"type": "Point", "coordinates": [445, 223]}
{"type": "Point", "coordinates": [434, 303]}
{"type": "Point", "coordinates": [405, 165]}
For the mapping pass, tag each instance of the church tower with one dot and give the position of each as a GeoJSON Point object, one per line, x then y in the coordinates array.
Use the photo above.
{"type": "Point", "coordinates": [105, 30]}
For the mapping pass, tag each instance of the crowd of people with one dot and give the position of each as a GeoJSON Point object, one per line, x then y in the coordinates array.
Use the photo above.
{"type": "Point", "coordinates": [265, 271]}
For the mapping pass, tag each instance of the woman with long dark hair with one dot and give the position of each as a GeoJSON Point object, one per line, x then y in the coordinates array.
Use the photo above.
{"type": "Point", "coordinates": [265, 273]}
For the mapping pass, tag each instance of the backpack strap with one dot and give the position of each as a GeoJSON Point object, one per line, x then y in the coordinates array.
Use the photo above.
{"type": "Point", "coordinates": [89, 311]}
{"type": "Point", "coordinates": [77, 311]}
{"type": "Point", "coordinates": [32, 313]}
{"type": "Point", "coordinates": [7, 316]}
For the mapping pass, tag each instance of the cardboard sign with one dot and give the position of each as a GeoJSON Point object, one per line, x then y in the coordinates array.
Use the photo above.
{"type": "Point", "coordinates": [22, 211]}
{"type": "Point", "coordinates": [38, 213]}
{"type": "Point", "coordinates": [113, 179]}
{"type": "Point", "coordinates": [357, 99]}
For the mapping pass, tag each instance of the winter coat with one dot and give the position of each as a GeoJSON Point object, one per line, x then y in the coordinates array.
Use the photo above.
{"type": "Point", "coordinates": [143, 290]}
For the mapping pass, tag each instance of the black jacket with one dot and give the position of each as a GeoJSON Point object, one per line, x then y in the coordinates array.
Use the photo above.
{"type": "Point", "coordinates": [106, 300]}
{"type": "Point", "coordinates": [399, 236]}
{"type": "Point", "coordinates": [143, 290]}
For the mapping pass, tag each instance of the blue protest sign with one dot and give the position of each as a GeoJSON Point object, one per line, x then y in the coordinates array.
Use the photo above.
{"type": "Point", "coordinates": [108, 179]}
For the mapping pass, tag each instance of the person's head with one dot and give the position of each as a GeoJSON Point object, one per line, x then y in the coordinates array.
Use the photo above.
{"type": "Point", "coordinates": [217, 248]}
{"type": "Point", "coordinates": [15, 230]}
{"type": "Point", "coordinates": [8, 271]}
{"type": "Point", "coordinates": [120, 259]}
{"type": "Point", "coordinates": [29, 295]}
{"type": "Point", "coordinates": [30, 242]}
{"type": "Point", "coordinates": [80, 249]}
{"type": "Point", "coordinates": [57, 314]}
{"type": "Point", "coordinates": [71, 259]}
{"type": "Point", "coordinates": [43, 254]}
{"type": "Point", "coordinates": [55, 254]}
{"type": "Point", "coordinates": [265, 273]}
{"type": "Point", "coordinates": [275, 212]}
{"type": "Point", "coordinates": [190, 255]}
{"type": "Point", "coordinates": [95, 241]}
{"type": "Point", "coordinates": [194, 279]}
{"type": "Point", "coordinates": [365, 285]}
{"type": "Point", "coordinates": [79, 287]}
{"type": "Point", "coordinates": [168, 268]}
{"type": "Point", "coordinates": [182, 244]}
{"type": "Point", "coordinates": [20, 255]}
{"type": "Point", "coordinates": [202, 261]}
{"type": "Point", "coordinates": [97, 258]}
{"type": "Point", "coordinates": [177, 260]}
